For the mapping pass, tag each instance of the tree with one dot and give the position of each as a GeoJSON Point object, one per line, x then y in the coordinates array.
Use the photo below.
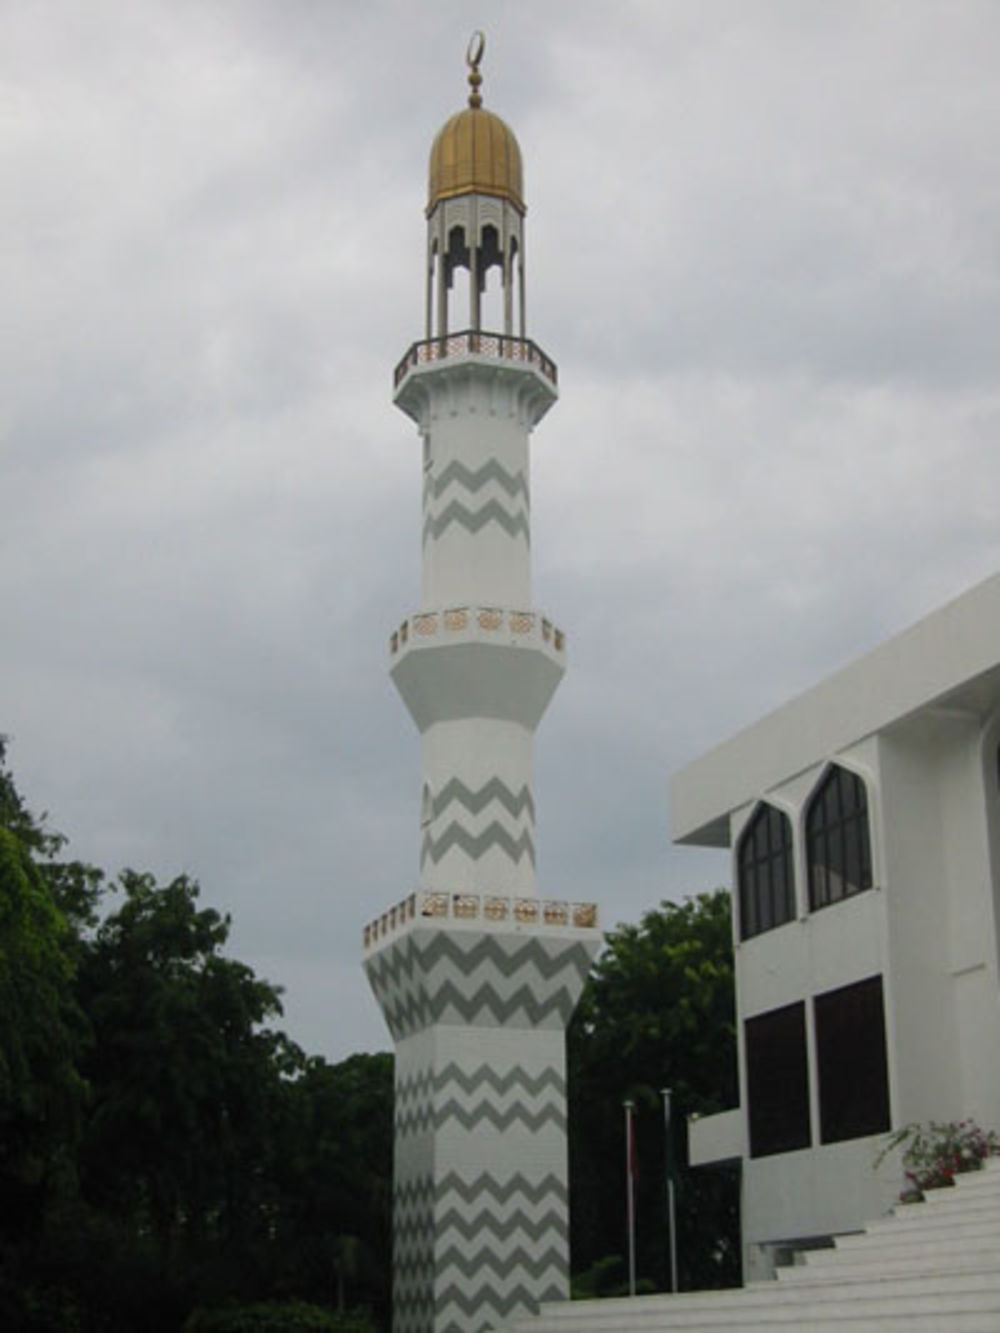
{"type": "Point", "coordinates": [184, 1074]}
{"type": "Point", "coordinates": [336, 1181]}
{"type": "Point", "coordinates": [163, 1147]}
{"type": "Point", "coordinates": [41, 1027]}
{"type": "Point", "coordinates": [658, 1011]}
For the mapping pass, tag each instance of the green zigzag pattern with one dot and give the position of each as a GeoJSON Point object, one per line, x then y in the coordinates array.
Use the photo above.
{"type": "Point", "coordinates": [473, 1263]}
{"type": "Point", "coordinates": [514, 483]}
{"type": "Point", "coordinates": [474, 1314]}
{"type": "Point", "coordinates": [493, 1301]}
{"type": "Point", "coordinates": [452, 1074]}
{"type": "Point", "coordinates": [399, 978]}
{"type": "Point", "coordinates": [517, 1186]}
{"type": "Point", "coordinates": [474, 520]}
{"type": "Point", "coordinates": [411, 1234]}
{"type": "Point", "coordinates": [416, 960]}
{"type": "Point", "coordinates": [515, 803]}
{"type": "Point", "coordinates": [518, 1281]}
{"type": "Point", "coordinates": [411, 1013]}
{"type": "Point", "coordinates": [477, 845]}
{"type": "Point", "coordinates": [453, 1112]}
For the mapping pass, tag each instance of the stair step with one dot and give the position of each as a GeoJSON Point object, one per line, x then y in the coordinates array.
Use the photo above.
{"type": "Point", "coordinates": [899, 1266]}
{"type": "Point", "coordinates": [863, 1249]}
{"type": "Point", "coordinates": [946, 1290]}
{"type": "Point", "coordinates": [922, 1281]}
{"type": "Point", "coordinates": [914, 1217]}
{"type": "Point", "coordinates": [985, 1179]}
{"type": "Point", "coordinates": [587, 1318]}
{"type": "Point", "coordinates": [954, 1233]}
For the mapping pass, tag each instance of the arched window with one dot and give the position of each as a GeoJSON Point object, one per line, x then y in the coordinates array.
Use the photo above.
{"type": "Point", "coordinates": [838, 847]}
{"type": "Point", "coordinates": [764, 871]}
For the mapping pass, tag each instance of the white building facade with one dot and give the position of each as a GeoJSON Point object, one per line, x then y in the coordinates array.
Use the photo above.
{"type": "Point", "coordinates": [864, 823]}
{"type": "Point", "coordinates": [476, 975]}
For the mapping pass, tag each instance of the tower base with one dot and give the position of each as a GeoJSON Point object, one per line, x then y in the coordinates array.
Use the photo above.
{"type": "Point", "coordinates": [478, 1008]}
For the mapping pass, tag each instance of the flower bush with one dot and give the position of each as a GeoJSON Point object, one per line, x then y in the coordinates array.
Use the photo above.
{"type": "Point", "coordinates": [934, 1155]}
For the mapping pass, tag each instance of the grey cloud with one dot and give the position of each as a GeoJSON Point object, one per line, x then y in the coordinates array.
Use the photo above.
{"type": "Point", "coordinates": [761, 246]}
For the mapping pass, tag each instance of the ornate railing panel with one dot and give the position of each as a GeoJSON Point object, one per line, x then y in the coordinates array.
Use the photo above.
{"type": "Point", "coordinates": [471, 342]}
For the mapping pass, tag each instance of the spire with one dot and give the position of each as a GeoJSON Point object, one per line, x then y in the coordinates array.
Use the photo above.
{"type": "Point", "coordinates": [473, 57]}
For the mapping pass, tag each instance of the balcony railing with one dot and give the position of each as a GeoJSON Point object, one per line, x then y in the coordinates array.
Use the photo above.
{"type": "Point", "coordinates": [471, 619]}
{"type": "Point", "coordinates": [473, 342]}
{"type": "Point", "coordinates": [481, 907]}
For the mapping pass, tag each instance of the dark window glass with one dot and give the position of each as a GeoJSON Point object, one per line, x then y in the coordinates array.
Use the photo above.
{"type": "Point", "coordinates": [851, 1061]}
{"type": "Point", "coordinates": [838, 848]}
{"type": "Point", "coordinates": [764, 872]}
{"type": "Point", "coordinates": [778, 1081]}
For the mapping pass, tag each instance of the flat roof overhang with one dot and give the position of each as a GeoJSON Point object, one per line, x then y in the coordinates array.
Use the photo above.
{"type": "Point", "coordinates": [948, 660]}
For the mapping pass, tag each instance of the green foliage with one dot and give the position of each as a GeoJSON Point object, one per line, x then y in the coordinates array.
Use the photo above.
{"type": "Point", "coordinates": [935, 1154]}
{"type": "Point", "coordinates": [606, 1278]}
{"type": "Point", "coordinates": [658, 1012]}
{"type": "Point", "coordinates": [162, 1145]}
{"type": "Point", "coordinates": [41, 1093]}
{"type": "Point", "coordinates": [290, 1317]}
{"type": "Point", "coordinates": [337, 1176]}
{"type": "Point", "coordinates": [184, 1076]}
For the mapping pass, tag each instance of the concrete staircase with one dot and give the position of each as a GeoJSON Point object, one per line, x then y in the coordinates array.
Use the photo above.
{"type": "Point", "coordinates": [931, 1266]}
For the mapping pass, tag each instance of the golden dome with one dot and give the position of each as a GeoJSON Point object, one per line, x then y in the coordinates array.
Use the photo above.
{"type": "Point", "coordinates": [475, 152]}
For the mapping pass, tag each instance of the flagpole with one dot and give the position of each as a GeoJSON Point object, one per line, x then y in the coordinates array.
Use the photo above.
{"type": "Point", "coordinates": [671, 1206]}
{"type": "Point", "coordinates": [630, 1191]}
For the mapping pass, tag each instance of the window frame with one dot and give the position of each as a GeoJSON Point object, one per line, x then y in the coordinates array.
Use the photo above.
{"type": "Point", "coordinates": [765, 872]}
{"type": "Point", "coordinates": [837, 823]}
{"type": "Point", "coordinates": [776, 1051]}
{"type": "Point", "coordinates": [852, 1061]}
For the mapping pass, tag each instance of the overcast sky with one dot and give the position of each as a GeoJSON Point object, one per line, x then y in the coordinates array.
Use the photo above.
{"type": "Point", "coordinates": [762, 246]}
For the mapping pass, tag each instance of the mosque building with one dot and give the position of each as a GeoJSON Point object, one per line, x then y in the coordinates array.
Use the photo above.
{"type": "Point", "coordinates": [864, 823]}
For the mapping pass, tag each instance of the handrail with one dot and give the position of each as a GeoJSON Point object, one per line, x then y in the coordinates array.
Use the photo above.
{"type": "Point", "coordinates": [499, 345]}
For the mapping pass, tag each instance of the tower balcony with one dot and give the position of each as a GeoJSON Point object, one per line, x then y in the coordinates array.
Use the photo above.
{"type": "Point", "coordinates": [500, 347]}
{"type": "Point", "coordinates": [477, 661]}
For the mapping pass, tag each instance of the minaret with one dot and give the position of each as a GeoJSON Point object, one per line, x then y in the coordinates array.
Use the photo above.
{"type": "Point", "coordinates": [476, 975]}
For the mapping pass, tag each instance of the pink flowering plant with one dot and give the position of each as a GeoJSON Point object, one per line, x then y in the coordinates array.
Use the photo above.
{"type": "Point", "coordinates": [935, 1154]}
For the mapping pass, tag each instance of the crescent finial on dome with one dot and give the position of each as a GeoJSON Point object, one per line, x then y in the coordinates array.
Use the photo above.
{"type": "Point", "coordinates": [473, 58]}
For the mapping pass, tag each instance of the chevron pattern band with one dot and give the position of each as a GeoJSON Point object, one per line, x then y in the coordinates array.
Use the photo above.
{"type": "Point", "coordinates": [517, 806]}
{"type": "Point", "coordinates": [499, 1249]}
{"type": "Point", "coordinates": [477, 1098]}
{"type": "Point", "coordinates": [456, 473]}
{"type": "Point", "coordinates": [493, 980]}
{"type": "Point", "coordinates": [474, 520]}
{"type": "Point", "coordinates": [515, 803]}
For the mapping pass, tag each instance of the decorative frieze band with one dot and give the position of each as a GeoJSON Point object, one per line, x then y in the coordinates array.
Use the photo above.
{"type": "Point", "coordinates": [493, 908]}
{"type": "Point", "coordinates": [462, 619]}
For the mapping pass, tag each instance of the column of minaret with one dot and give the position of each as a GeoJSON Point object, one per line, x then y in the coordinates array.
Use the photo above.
{"type": "Point", "coordinates": [477, 977]}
